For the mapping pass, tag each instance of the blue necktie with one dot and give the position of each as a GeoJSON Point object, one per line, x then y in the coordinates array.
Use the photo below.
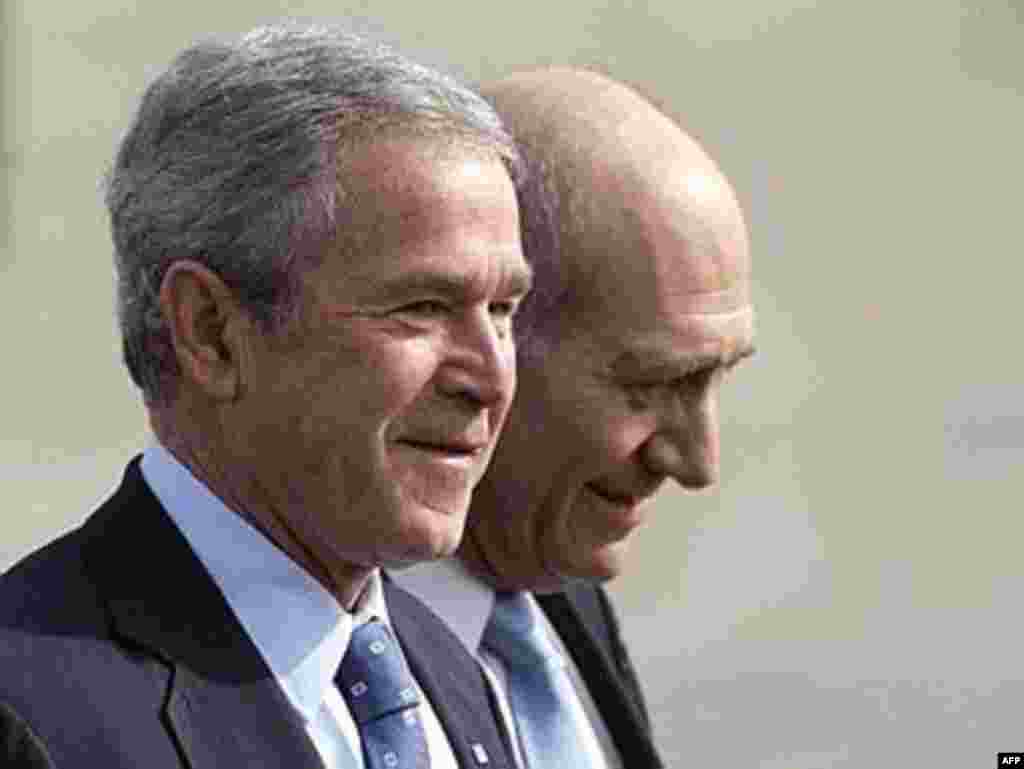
{"type": "Point", "coordinates": [383, 699]}
{"type": "Point", "coordinates": [539, 688]}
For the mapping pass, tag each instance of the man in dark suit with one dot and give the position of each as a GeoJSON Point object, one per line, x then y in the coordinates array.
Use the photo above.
{"type": "Point", "coordinates": [318, 256]}
{"type": "Point", "coordinates": [642, 305]}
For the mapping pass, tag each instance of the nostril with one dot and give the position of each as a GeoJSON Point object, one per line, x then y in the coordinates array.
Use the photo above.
{"type": "Point", "coordinates": [478, 390]}
{"type": "Point", "coordinates": [696, 480]}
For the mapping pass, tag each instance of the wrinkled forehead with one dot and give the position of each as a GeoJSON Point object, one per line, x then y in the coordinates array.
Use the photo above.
{"type": "Point", "coordinates": [678, 341]}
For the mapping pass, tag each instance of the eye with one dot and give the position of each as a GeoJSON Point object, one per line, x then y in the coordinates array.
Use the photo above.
{"type": "Point", "coordinates": [504, 309]}
{"type": "Point", "coordinates": [425, 308]}
{"type": "Point", "coordinates": [699, 379]}
{"type": "Point", "coordinates": [641, 394]}
{"type": "Point", "coordinates": [646, 387]}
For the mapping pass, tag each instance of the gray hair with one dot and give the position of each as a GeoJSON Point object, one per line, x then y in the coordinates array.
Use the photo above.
{"type": "Point", "coordinates": [234, 159]}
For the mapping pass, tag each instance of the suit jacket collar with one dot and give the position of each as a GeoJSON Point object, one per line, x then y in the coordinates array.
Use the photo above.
{"type": "Point", "coordinates": [595, 658]}
{"type": "Point", "coordinates": [451, 679]}
{"type": "Point", "coordinates": [223, 707]}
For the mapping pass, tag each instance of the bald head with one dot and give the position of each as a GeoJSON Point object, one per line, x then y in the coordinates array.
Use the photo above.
{"type": "Point", "coordinates": [619, 176]}
{"type": "Point", "coordinates": [640, 307]}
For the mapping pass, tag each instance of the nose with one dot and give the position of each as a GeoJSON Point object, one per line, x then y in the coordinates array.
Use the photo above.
{"type": "Point", "coordinates": [685, 445]}
{"type": "Point", "coordinates": [480, 362]}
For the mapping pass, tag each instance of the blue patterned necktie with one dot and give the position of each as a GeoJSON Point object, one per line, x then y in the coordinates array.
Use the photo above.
{"type": "Point", "coordinates": [540, 691]}
{"type": "Point", "coordinates": [383, 699]}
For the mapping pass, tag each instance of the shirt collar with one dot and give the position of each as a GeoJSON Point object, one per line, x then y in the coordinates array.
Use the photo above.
{"type": "Point", "coordinates": [300, 629]}
{"type": "Point", "coordinates": [451, 591]}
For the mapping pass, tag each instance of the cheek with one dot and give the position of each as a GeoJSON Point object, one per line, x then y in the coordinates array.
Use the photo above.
{"type": "Point", "coordinates": [510, 377]}
{"type": "Point", "coordinates": [614, 440]}
{"type": "Point", "coordinates": [578, 546]}
{"type": "Point", "coordinates": [381, 380]}
{"type": "Point", "coordinates": [598, 425]}
{"type": "Point", "coordinates": [609, 448]}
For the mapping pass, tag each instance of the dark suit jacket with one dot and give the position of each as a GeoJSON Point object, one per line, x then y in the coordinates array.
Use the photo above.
{"type": "Point", "coordinates": [586, 622]}
{"type": "Point", "coordinates": [118, 650]}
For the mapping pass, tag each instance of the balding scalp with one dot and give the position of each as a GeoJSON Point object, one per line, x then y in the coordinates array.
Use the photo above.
{"type": "Point", "coordinates": [603, 157]}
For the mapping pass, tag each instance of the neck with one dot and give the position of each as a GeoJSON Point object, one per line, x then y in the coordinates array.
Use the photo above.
{"type": "Point", "coordinates": [199, 453]}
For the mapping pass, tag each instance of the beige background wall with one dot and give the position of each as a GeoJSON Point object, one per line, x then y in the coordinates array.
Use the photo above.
{"type": "Point", "coordinates": [852, 596]}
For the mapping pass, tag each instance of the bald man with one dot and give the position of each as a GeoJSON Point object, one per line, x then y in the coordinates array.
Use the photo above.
{"type": "Point", "coordinates": [641, 307]}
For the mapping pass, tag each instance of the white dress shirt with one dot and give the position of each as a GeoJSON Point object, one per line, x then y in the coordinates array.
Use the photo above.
{"type": "Point", "coordinates": [465, 603]}
{"type": "Point", "coordinates": [299, 628]}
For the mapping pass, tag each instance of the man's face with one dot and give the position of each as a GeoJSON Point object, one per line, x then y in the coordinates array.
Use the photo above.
{"type": "Point", "coordinates": [365, 428]}
{"type": "Point", "coordinates": [624, 396]}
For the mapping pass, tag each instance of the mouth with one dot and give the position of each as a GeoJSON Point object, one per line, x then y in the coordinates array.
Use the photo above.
{"type": "Point", "coordinates": [623, 501]}
{"type": "Point", "coordinates": [618, 512]}
{"type": "Point", "coordinates": [447, 448]}
{"type": "Point", "coordinates": [618, 499]}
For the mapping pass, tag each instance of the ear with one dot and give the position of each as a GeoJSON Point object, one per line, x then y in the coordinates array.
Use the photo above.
{"type": "Point", "coordinates": [205, 323]}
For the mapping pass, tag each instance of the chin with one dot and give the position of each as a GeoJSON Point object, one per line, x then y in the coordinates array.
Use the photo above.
{"type": "Point", "coordinates": [447, 546]}
{"type": "Point", "coordinates": [605, 564]}
{"type": "Point", "coordinates": [434, 535]}
{"type": "Point", "coordinates": [424, 549]}
{"type": "Point", "coordinates": [595, 566]}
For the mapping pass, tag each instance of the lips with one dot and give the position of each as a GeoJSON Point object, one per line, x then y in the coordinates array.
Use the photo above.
{"type": "Point", "coordinates": [620, 498]}
{"type": "Point", "coordinates": [437, 471]}
{"type": "Point", "coordinates": [616, 513]}
{"type": "Point", "coordinates": [454, 447]}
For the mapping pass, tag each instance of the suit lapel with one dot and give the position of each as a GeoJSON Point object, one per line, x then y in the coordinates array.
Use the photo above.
{"type": "Point", "coordinates": [224, 707]}
{"type": "Point", "coordinates": [451, 679]}
{"type": "Point", "coordinates": [593, 657]}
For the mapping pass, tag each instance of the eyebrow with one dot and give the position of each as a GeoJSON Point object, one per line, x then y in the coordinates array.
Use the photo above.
{"type": "Point", "coordinates": [516, 282]}
{"type": "Point", "coordinates": [656, 363]}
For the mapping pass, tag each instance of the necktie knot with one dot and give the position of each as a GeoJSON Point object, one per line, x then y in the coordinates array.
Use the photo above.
{"type": "Point", "coordinates": [516, 634]}
{"type": "Point", "coordinates": [382, 696]}
{"type": "Point", "coordinates": [373, 676]}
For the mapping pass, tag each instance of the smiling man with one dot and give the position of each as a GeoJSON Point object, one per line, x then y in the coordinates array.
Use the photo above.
{"type": "Point", "coordinates": [642, 307]}
{"type": "Point", "coordinates": [318, 255]}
